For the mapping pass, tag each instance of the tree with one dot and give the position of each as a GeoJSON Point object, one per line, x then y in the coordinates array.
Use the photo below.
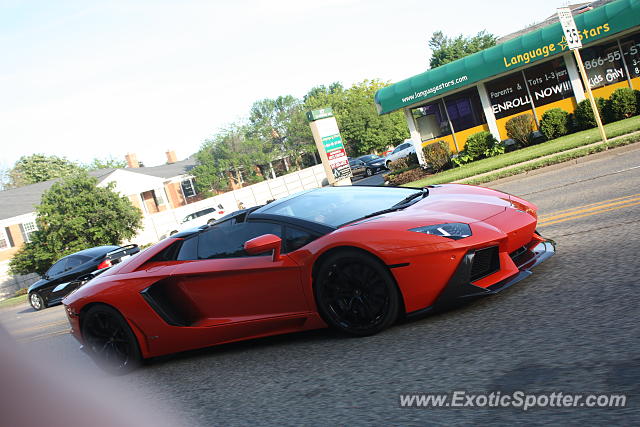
{"type": "Point", "coordinates": [106, 163]}
{"type": "Point", "coordinates": [445, 49]}
{"type": "Point", "coordinates": [76, 214]}
{"type": "Point", "coordinates": [363, 130]}
{"type": "Point", "coordinates": [38, 168]}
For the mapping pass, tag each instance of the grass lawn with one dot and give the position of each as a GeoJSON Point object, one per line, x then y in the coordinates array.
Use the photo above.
{"type": "Point", "coordinates": [564, 143]}
{"type": "Point", "coordinates": [13, 301]}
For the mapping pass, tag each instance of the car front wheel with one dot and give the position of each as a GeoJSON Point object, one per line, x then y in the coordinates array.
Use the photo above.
{"type": "Point", "coordinates": [110, 341]}
{"type": "Point", "coordinates": [369, 172]}
{"type": "Point", "coordinates": [36, 301]}
{"type": "Point", "coordinates": [356, 294]}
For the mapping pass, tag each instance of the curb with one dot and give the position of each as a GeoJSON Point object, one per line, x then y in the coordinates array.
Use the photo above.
{"type": "Point", "coordinates": [551, 156]}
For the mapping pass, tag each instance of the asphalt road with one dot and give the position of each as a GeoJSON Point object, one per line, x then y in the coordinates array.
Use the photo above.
{"type": "Point", "coordinates": [572, 327]}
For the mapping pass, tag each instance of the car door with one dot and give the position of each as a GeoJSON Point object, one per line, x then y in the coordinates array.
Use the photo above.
{"type": "Point", "coordinates": [357, 167]}
{"type": "Point", "coordinates": [75, 266]}
{"type": "Point", "coordinates": [226, 285]}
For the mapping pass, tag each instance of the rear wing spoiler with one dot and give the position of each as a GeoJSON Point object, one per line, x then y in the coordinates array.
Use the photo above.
{"type": "Point", "coordinates": [123, 251]}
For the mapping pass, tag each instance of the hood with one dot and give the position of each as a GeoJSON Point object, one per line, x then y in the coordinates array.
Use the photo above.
{"type": "Point", "coordinates": [37, 284]}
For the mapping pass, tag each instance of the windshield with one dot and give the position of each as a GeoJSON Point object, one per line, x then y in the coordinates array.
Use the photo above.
{"type": "Point", "coordinates": [335, 206]}
{"type": "Point", "coordinates": [369, 158]}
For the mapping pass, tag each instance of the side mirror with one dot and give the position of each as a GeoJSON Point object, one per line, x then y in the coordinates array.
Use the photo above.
{"type": "Point", "coordinates": [264, 243]}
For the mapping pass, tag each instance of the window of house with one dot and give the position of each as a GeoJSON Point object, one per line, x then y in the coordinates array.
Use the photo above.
{"type": "Point", "coordinates": [431, 120]}
{"type": "Point", "coordinates": [28, 228]}
{"type": "Point", "coordinates": [631, 53]}
{"type": "Point", "coordinates": [157, 197]}
{"type": "Point", "coordinates": [4, 240]}
{"type": "Point", "coordinates": [603, 64]}
{"type": "Point", "coordinates": [188, 189]}
{"type": "Point", "coordinates": [465, 110]}
{"type": "Point", "coordinates": [508, 95]}
{"type": "Point", "coordinates": [549, 82]}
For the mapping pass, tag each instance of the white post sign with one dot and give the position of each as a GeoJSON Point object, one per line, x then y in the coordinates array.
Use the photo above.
{"type": "Point", "coordinates": [569, 28]}
{"type": "Point", "coordinates": [575, 44]}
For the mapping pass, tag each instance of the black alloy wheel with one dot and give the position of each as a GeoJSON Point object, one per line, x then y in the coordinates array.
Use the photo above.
{"type": "Point", "coordinates": [369, 172]}
{"type": "Point", "coordinates": [36, 301]}
{"type": "Point", "coordinates": [356, 294]}
{"type": "Point", "coordinates": [109, 340]}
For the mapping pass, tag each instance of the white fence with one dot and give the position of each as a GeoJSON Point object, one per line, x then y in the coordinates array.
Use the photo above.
{"type": "Point", "coordinates": [158, 225]}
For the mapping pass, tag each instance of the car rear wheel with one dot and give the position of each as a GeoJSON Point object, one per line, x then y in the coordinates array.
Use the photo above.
{"type": "Point", "coordinates": [369, 172]}
{"type": "Point", "coordinates": [36, 301]}
{"type": "Point", "coordinates": [356, 294]}
{"type": "Point", "coordinates": [110, 341]}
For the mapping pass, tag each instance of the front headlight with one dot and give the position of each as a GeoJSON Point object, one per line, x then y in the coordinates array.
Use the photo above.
{"type": "Point", "coordinates": [454, 230]}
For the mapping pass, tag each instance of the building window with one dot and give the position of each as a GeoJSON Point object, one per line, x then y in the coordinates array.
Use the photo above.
{"type": "Point", "coordinates": [508, 95]}
{"type": "Point", "coordinates": [188, 189]}
{"type": "Point", "coordinates": [549, 82]}
{"type": "Point", "coordinates": [431, 121]}
{"type": "Point", "coordinates": [28, 228]}
{"type": "Point", "coordinates": [603, 64]}
{"type": "Point", "coordinates": [157, 196]}
{"type": "Point", "coordinates": [465, 110]}
{"type": "Point", "coordinates": [4, 240]}
{"type": "Point", "coordinates": [631, 52]}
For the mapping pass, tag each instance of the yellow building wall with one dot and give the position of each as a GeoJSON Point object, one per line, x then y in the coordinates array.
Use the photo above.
{"type": "Point", "coordinates": [569, 105]}
{"type": "Point", "coordinates": [503, 121]}
{"type": "Point", "coordinates": [606, 91]}
{"type": "Point", "coordinates": [461, 136]}
{"type": "Point", "coordinates": [447, 138]}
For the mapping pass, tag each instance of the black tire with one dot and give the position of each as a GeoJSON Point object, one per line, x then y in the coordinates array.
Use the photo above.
{"type": "Point", "coordinates": [110, 341]}
{"type": "Point", "coordinates": [355, 293]}
{"type": "Point", "coordinates": [386, 165]}
{"type": "Point", "coordinates": [36, 301]}
{"type": "Point", "coordinates": [368, 172]}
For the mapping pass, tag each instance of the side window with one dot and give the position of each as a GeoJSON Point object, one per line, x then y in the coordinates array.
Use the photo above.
{"type": "Point", "coordinates": [295, 239]}
{"type": "Point", "coordinates": [75, 261]}
{"type": "Point", "coordinates": [57, 268]}
{"type": "Point", "coordinates": [188, 249]}
{"type": "Point", "coordinates": [228, 242]}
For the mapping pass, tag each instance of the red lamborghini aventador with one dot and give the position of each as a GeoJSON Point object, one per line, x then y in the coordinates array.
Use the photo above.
{"type": "Point", "coordinates": [352, 258]}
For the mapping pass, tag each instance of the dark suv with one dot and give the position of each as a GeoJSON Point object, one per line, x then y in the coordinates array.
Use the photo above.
{"type": "Point", "coordinates": [72, 271]}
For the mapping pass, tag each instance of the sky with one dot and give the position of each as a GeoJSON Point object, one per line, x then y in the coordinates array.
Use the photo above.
{"type": "Point", "coordinates": [86, 79]}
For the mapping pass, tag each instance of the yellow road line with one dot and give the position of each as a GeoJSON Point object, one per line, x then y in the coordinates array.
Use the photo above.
{"type": "Point", "coordinates": [587, 214]}
{"type": "Point", "coordinates": [595, 208]}
{"type": "Point", "coordinates": [546, 216]}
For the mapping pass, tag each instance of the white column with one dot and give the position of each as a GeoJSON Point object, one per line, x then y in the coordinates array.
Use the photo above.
{"type": "Point", "coordinates": [416, 140]}
{"type": "Point", "coordinates": [574, 77]}
{"type": "Point", "coordinates": [488, 111]}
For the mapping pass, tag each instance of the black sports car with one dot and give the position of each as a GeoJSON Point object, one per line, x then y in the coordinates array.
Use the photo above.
{"type": "Point", "coordinates": [72, 271]}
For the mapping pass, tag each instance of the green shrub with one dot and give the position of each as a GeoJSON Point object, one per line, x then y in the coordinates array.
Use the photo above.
{"type": "Point", "coordinates": [437, 155]}
{"type": "Point", "coordinates": [520, 128]}
{"type": "Point", "coordinates": [583, 116]}
{"type": "Point", "coordinates": [621, 104]}
{"type": "Point", "coordinates": [637, 93]}
{"type": "Point", "coordinates": [554, 123]}
{"type": "Point", "coordinates": [404, 163]}
{"type": "Point", "coordinates": [479, 143]}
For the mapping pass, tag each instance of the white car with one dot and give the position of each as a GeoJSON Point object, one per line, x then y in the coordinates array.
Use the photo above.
{"type": "Point", "coordinates": [198, 218]}
{"type": "Point", "coordinates": [402, 150]}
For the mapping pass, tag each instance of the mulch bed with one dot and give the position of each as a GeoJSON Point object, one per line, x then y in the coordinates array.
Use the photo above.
{"type": "Point", "coordinates": [407, 176]}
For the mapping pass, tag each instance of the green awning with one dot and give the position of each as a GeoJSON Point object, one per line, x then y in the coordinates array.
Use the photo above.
{"type": "Point", "coordinates": [537, 45]}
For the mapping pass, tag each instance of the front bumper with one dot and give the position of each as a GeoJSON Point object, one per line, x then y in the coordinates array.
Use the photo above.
{"type": "Point", "coordinates": [460, 288]}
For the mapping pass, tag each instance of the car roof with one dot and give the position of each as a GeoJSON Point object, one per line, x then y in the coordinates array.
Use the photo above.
{"type": "Point", "coordinates": [95, 251]}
